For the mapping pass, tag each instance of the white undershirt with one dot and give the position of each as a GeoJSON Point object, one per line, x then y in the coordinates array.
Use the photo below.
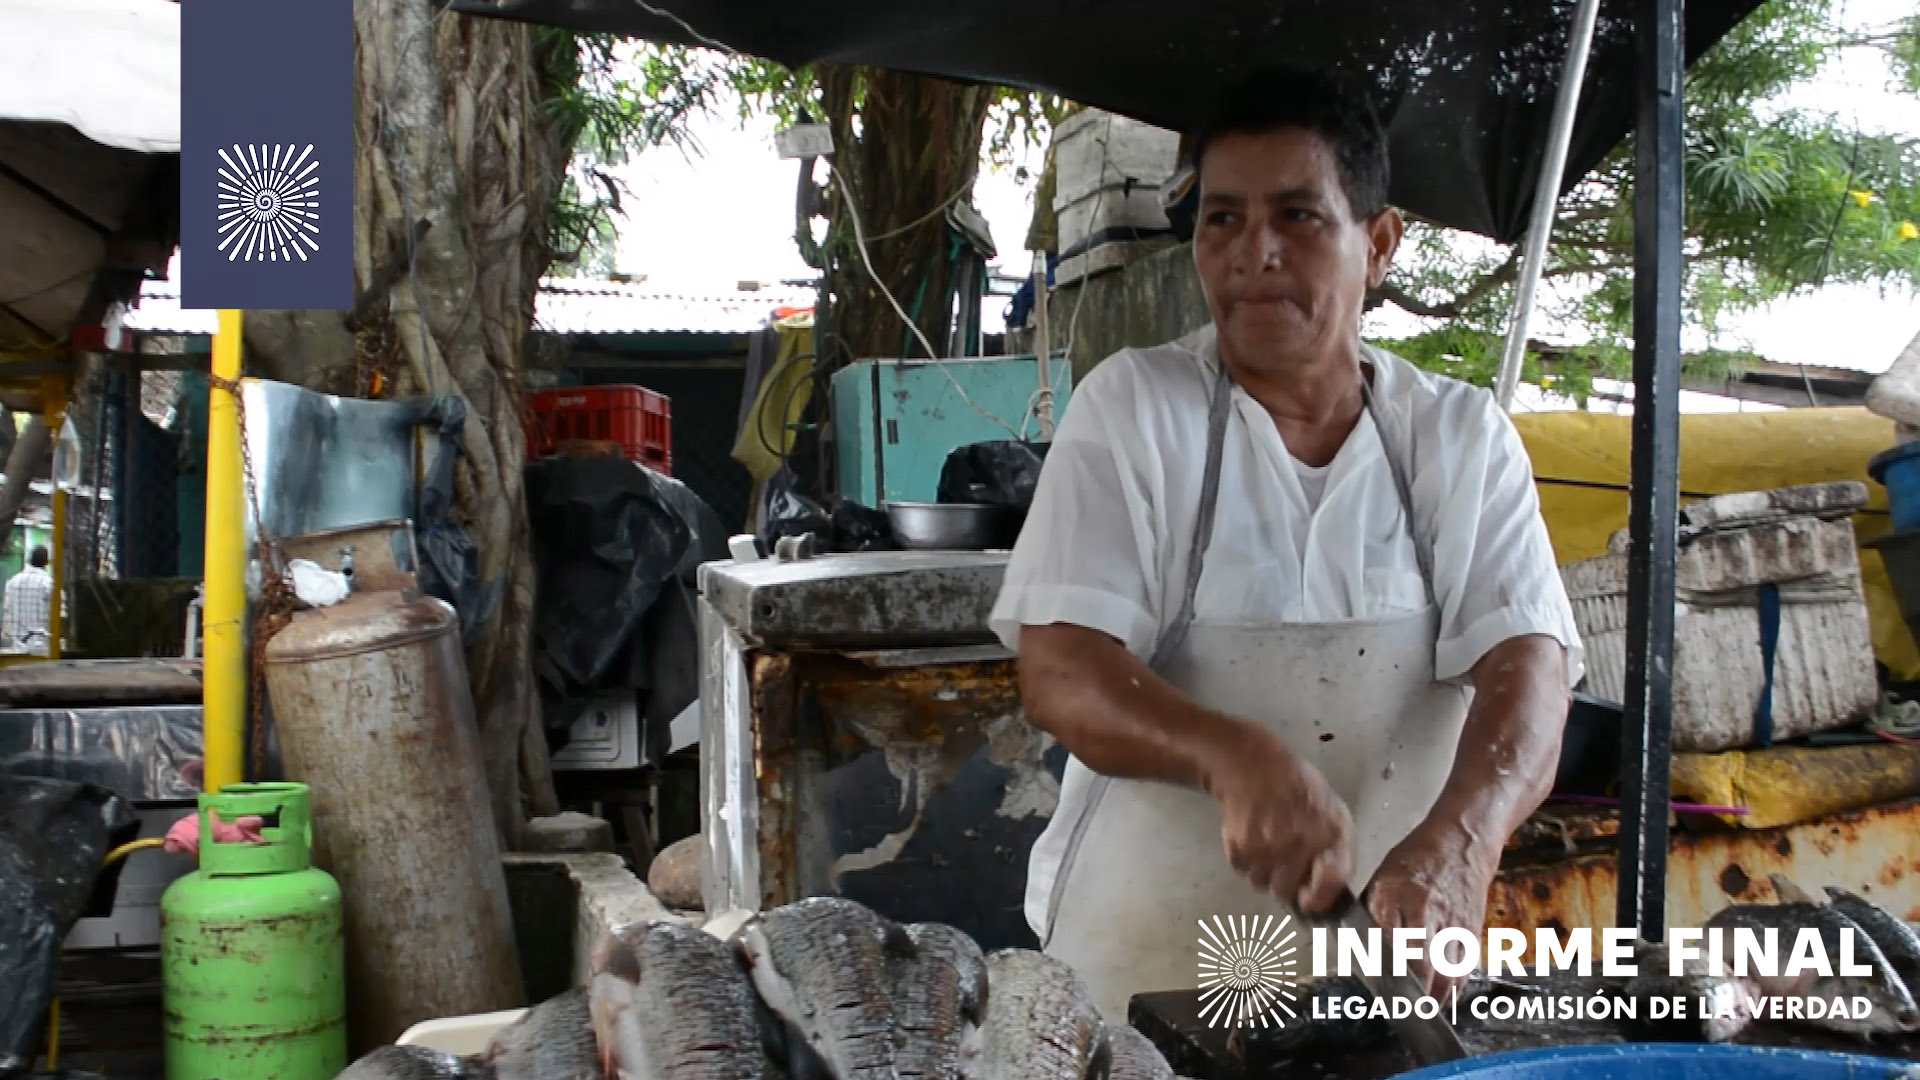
{"type": "Point", "coordinates": [1313, 482]}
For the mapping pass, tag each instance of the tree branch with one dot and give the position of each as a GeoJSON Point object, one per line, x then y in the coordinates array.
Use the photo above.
{"type": "Point", "coordinates": [1389, 293]}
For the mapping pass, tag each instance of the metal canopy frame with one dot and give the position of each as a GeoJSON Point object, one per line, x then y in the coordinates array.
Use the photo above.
{"type": "Point", "coordinates": [1653, 498]}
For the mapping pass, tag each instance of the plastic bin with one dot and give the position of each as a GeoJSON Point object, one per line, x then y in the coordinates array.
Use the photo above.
{"type": "Point", "coordinates": [1656, 1061]}
{"type": "Point", "coordinates": [1898, 470]}
{"type": "Point", "coordinates": [637, 418]}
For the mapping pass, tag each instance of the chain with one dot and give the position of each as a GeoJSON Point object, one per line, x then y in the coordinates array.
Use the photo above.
{"type": "Point", "coordinates": [273, 608]}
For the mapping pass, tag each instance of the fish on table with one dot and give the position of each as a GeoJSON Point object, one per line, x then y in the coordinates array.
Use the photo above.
{"type": "Point", "coordinates": [939, 999]}
{"type": "Point", "coordinates": [554, 1040]}
{"type": "Point", "coordinates": [1716, 1004]}
{"type": "Point", "coordinates": [671, 1002]}
{"type": "Point", "coordinates": [1895, 938]}
{"type": "Point", "coordinates": [1893, 1009]}
{"type": "Point", "coordinates": [1133, 1056]}
{"type": "Point", "coordinates": [1041, 1023]}
{"type": "Point", "coordinates": [414, 1063]}
{"type": "Point", "coordinates": [821, 966]}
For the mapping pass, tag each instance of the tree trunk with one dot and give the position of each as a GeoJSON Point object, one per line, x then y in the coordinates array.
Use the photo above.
{"type": "Point", "coordinates": [917, 152]}
{"type": "Point", "coordinates": [450, 139]}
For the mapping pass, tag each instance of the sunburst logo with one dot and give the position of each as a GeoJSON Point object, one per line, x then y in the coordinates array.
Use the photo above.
{"type": "Point", "coordinates": [1247, 967]}
{"type": "Point", "coordinates": [269, 203]}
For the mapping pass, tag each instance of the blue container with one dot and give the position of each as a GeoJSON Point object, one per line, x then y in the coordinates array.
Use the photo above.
{"type": "Point", "coordinates": [1667, 1061]}
{"type": "Point", "coordinates": [1898, 470]}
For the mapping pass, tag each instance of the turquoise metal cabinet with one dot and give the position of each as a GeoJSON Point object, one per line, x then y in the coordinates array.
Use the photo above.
{"type": "Point", "coordinates": [895, 421]}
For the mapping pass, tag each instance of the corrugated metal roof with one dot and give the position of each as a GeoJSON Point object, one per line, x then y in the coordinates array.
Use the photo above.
{"type": "Point", "coordinates": [563, 306]}
{"type": "Point", "coordinates": [610, 307]}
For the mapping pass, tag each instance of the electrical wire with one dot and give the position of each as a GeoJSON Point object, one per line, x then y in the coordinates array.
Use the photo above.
{"type": "Point", "coordinates": [684, 25]}
{"type": "Point", "coordinates": [866, 263]}
{"type": "Point", "coordinates": [924, 218]}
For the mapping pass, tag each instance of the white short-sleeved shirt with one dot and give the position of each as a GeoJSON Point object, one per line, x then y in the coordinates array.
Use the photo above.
{"type": "Point", "coordinates": [1107, 541]}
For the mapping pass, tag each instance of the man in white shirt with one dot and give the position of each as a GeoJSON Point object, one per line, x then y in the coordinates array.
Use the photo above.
{"type": "Point", "coordinates": [27, 606]}
{"type": "Point", "coordinates": [1286, 599]}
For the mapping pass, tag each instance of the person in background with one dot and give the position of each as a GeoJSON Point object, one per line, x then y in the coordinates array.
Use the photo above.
{"type": "Point", "coordinates": [27, 606]}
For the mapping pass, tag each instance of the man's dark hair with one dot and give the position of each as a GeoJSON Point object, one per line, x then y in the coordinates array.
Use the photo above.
{"type": "Point", "coordinates": [1327, 103]}
{"type": "Point", "coordinates": [38, 557]}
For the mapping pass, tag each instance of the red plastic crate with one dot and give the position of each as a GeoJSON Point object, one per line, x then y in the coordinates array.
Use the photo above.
{"type": "Point", "coordinates": [640, 420]}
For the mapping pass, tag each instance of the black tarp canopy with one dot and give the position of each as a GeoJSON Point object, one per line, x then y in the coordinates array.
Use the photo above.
{"type": "Point", "coordinates": [1466, 86]}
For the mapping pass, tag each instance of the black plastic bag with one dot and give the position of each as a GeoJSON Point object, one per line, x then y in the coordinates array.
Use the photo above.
{"type": "Point", "coordinates": [853, 527]}
{"type": "Point", "coordinates": [449, 562]}
{"type": "Point", "coordinates": [1003, 473]}
{"type": "Point", "coordinates": [790, 513]}
{"type": "Point", "coordinates": [53, 836]}
{"type": "Point", "coordinates": [605, 541]}
{"type": "Point", "coordinates": [707, 535]}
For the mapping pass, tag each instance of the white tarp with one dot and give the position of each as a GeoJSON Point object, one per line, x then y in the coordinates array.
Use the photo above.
{"type": "Point", "coordinates": [110, 68]}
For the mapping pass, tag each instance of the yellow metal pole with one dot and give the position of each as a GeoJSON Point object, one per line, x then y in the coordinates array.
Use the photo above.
{"type": "Point", "coordinates": [224, 671]}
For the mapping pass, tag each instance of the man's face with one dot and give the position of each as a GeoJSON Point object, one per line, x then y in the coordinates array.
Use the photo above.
{"type": "Point", "coordinates": [1285, 265]}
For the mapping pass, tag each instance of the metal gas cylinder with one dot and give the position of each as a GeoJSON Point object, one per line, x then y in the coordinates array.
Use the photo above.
{"type": "Point", "coordinates": [250, 950]}
{"type": "Point", "coordinates": [372, 710]}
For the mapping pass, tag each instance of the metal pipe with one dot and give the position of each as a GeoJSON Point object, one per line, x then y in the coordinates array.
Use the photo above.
{"type": "Point", "coordinates": [1653, 502]}
{"type": "Point", "coordinates": [1546, 196]}
{"type": "Point", "coordinates": [191, 650]}
{"type": "Point", "coordinates": [1042, 349]}
{"type": "Point", "coordinates": [57, 602]}
{"type": "Point", "coordinates": [224, 668]}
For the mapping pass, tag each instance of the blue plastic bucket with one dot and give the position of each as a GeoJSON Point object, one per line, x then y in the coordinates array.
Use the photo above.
{"type": "Point", "coordinates": [1898, 470]}
{"type": "Point", "coordinates": [1668, 1061]}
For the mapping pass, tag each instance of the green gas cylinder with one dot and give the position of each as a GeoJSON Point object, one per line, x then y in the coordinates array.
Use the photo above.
{"type": "Point", "coordinates": [251, 953]}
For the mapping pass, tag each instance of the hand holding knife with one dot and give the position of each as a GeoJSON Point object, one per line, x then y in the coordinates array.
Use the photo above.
{"type": "Point", "coordinates": [1431, 1042]}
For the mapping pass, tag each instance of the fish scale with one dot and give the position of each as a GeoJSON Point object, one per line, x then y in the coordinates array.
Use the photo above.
{"type": "Point", "coordinates": [1040, 1021]}
{"type": "Point", "coordinates": [670, 1002]}
{"type": "Point", "coordinates": [821, 965]}
{"type": "Point", "coordinates": [415, 1063]}
{"type": "Point", "coordinates": [553, 1041]}
{"type": "Point", "coordinates": [1893, 1007]}
{"type": "Point", "coordinates": [1895, 938]}
{"type": "Point", "coordinates": [938, 993]}
{"type": "Point", "coordinates": [1134, 1056]}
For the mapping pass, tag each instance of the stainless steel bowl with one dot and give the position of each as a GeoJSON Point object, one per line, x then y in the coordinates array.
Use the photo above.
{"type": "Point", "coordinates": [954, 526]}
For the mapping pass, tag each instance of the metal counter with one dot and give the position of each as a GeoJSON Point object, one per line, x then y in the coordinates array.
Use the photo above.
{"type": "Point", "coordinates": [862, 736]}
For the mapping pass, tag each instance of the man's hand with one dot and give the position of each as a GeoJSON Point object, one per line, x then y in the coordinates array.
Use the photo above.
{"type": "Point", "coordinates": [1282, 825]}
{"type": "Point", "coordinates": [1503, 768]}
{"type": "Point", "coordinates": [1436, 878]}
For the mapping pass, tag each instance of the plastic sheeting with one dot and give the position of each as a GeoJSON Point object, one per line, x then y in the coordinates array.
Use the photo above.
{"type": "Point", "coordinates": [109, 68]}
{"type": "Point", "coordinates": [1467, 88]}
{"type": "Point", "coordinates": [608, 537]}
{"type": "Point", "coordinates": [1580, 463]}
{"type": "Point", "coordinates": [1003, 473]}
{"type": "Point", "coordinates": [53, 837]}
{"type": "Point", "coordinates": [143, 754]}
{"type": "Point", "coordinates": [325, 462]}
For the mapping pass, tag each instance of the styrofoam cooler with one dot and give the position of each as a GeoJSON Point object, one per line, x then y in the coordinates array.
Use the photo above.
{"type": "Point", "coordinates": [1823, 671]}
{"type": "Point", "coordinates": [1108, 173]}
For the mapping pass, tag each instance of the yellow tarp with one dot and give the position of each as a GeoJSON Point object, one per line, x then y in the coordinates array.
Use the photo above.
{"type": "Point", "coordinates": [767, 437]}
{"type": "Point", "coordinates": [1786, 785]}
{"type": "Point", "coordinates": [1580, 463]}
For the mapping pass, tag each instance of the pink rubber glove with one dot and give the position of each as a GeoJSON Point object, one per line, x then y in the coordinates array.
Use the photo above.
{"type": "Point", "coordinates": [184, 837]}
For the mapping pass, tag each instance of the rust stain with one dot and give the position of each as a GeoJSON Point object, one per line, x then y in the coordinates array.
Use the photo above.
{"type": "Point", "coordinates": [229, 1036]}
{"type": "Point", "coordinates": [821, 709]}
{"type": "Point", "coordinates": [1734, 881]}
{"type": "Point", "coordinates": [1870, 850]}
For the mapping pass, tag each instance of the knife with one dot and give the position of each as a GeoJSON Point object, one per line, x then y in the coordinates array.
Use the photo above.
{"type": "Point", "coordinates": [1431, 1042]}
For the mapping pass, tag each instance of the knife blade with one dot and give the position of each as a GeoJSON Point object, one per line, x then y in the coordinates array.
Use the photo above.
{"type": "Point", "coordinates": [1431, 1042]}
